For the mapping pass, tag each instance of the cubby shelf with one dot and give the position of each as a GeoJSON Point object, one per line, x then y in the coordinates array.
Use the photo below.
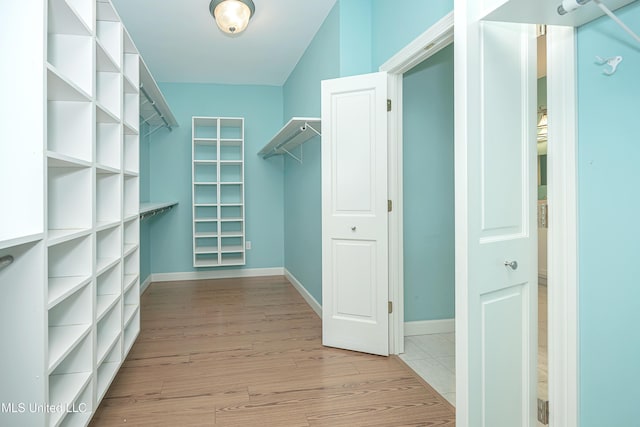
{"type": "Point", "coordinates": [218, 191]}
{"type": "Point", "coordinates": [129, 281]}
{"type": "Point", "coordinates": [61, 287]}
{"type": "Point", "coordinates": [107, 347]}
{"type": "Point", "coordinates": [75, 274]}
{"type": "Point", "coordinates": [65, 389]}
{"type": "Point", "coordinates": [70, 17]}
{"type": "Point", "coordinates": [129, 312]}
{"type": "Point", "coordinates": [62, 340]}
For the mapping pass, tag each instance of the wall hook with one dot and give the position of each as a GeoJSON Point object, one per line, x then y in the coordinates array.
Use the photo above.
{"type": "Point", "coordinates": [612, 62]}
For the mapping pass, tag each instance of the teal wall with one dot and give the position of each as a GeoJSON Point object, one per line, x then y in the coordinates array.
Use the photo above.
{"type": "Point", "coordinates": [351, 41]}
{"type": "Point", "coordinates": [609, 230]}
{"type": "Point", "coordinates": [429, 231]}
{"type": "Point", "coordinates": [356, 30]}
{"type": "Point", "coordinates": [302, 199]}
{"type": "Point", "coordinates": [396, 23]}
{"type": "Point", "coordinates": [170, 173]}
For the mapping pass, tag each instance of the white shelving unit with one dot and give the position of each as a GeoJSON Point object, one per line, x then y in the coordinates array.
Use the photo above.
{"type": "Point", "coordinates": [69, 257]}
{"type": "Point", "coordinates": [297, 131]}
{"type": "Point", "coordinates": [154, 110]}
{"type": "Point", "coordinates": [218, 191]}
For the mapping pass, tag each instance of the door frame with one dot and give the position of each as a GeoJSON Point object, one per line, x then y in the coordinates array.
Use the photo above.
{"type": "Point", "coordinates": [562, 196]}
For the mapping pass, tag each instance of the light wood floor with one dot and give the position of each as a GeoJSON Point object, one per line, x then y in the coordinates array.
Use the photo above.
{"type": "Point", "coordinates": [248, 352]}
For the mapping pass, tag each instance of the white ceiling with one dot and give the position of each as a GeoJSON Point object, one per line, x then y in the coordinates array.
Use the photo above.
{"type": "Point", "coordinates": [180, 41]}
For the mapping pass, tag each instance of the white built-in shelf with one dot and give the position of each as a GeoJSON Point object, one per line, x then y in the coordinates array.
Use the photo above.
{"type": "Point", "coordinates": [104, 264]}
{"type": "Point", "coordinates": [61, 89]}
{"type": "Point", "coordinates": [62, 287]}
{"type": "Point", "coordinates": [154, 109]}
{"type": "Point", "coordinates": [107, 344]}
{"type": "Point", "coordinates": [62, 340]}
{"type": "Point", "coordinates": [129, 312]}
{"type": "Point", "coordinates": [218, 191]}
{"type": "Point", "coordinates": [65, 389]}
{"type": "Point", "coordinates": [28, 238]}
{"type": "Point", "coordinates": [206, 263]}
{"type": "Point", "coordinates": [70, 17]}
{"type": "Point", "coordinates": [107, 349]}
{"type": "Point", "coordinates": [129, 248]}
{"type": "Point", "coordinates": [129, 281]}
{"type": "Point", "coordinates": [104, 303]}
{"type": "Point", "coordinates": [56, 237]}
{"type": "Point", "coordinates": [74, 244]}
{"type": "Point", "coordinates": [297, 131]}
{"type": "Point", "coordinates": [57, 160]}
{"type": "Point", "coordinates": [149, 209]}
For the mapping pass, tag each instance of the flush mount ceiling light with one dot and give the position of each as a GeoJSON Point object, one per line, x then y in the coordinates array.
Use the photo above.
{"type": "Point", "coordinates": [232, 16]}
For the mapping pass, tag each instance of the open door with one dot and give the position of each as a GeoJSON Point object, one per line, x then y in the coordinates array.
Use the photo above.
{"type": "Point", "coordinates": [496, 267]}
{"type": "Point", "coordinates": [355, 283]}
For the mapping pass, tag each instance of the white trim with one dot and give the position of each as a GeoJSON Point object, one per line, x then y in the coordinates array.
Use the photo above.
{"type": "Point", "coordinates": [428, 327]}
{"type": "Point", "coordinates": [461, 100]}
{"type": "Point", "coordinates": [432, 41]}
{"type": "Point", "coordinates": [563, 231]}
{"type": "Point", "coordinates": [145, 284]}
{"type": "Point", "coordinates": [395, 191]}
{"type": "Point", "coordinates": [217, 274]}
{"type": "Point", "coordinates": [313, 303]}
{"type": "Point", "coordinates": [437, 37]}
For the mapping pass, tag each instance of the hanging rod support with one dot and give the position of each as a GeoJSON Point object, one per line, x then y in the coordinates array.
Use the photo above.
{"type": "Point", "coordinates": [307, 125]}
{"type": "Point", "coordinates": [289, 153]}
{"type": "Point", "coordinates": [155, 107]}
{"type": "Point", "coordinates": [155, 212]}
{"type": "Point", "coordinates": [157, 128]}
{"type": "Point", "coordinates": [150, 117]}
{"type": "Point", "coordinates": [617, 20]}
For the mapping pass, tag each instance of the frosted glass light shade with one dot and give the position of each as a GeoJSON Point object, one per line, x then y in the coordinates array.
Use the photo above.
{"type": "Point", "coordinates": [232, 16]}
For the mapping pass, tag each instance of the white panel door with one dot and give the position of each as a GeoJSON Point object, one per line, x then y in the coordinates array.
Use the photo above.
{"type": "Point", "coordinates": [496, 300]}
{"type": "Point", "coordinates": [354, 214]}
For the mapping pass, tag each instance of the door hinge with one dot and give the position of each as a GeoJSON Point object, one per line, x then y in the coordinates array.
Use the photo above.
{"type": "Point", "coordinates": [390, 307]}
{"type": "Point", "coordinates": [389, 205]}
{"type": "Point", "coordinates": [543, 411]}
{"type": "Point", "coordinates": [388, 105]}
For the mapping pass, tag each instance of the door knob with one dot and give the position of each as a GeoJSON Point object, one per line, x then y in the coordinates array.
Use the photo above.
{"type": "Point", "coordinates": [353, 228]}
{"type": "Point", "coordinates": [512, 264]}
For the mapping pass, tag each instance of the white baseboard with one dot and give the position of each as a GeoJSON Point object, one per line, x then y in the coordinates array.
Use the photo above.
{"type": "Point", "coordinates": [219, 274]}
{"type": "Point", "coordinates": [315, 306]}
{"type": "Point", "coordinates": [426, 327]}
{"type": "Point", "coordinates": [145, 284]}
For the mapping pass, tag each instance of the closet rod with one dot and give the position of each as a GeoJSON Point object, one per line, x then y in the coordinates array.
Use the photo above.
{"type": "Point", "coordinates": [6, 261]}
{"type": "Point", "coordinates": [303, 129]}
{"type": "Point", "coordinates": [153, 104]}
{"type": "Point", "coordinates": [156, 211]}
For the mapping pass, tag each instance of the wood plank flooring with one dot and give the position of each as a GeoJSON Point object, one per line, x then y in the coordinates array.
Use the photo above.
{"type": "Point", "coordinates": [248, 352]}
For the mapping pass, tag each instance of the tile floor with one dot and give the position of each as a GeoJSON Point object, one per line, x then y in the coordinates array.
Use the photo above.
{"type": "Point", "coordinates": [433, 356]}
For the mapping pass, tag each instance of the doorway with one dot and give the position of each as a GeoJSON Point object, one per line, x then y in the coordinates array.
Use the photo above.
{"type": "Point", "coordinates": [562, 265]}
{"type": "Point", "coordinates": [428, 219]}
